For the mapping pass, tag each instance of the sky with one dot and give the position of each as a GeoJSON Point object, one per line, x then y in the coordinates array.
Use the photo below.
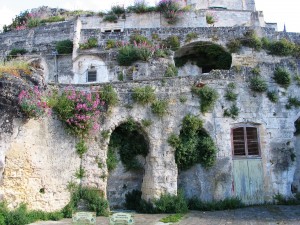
{"type": "Point", "coordinates": [282, 12]}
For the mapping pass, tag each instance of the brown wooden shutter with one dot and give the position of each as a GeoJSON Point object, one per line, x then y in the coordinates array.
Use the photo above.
{"type": "Point", "coordinates": [239, 141]}
{"type": "Point", "coordinates": [252, 141]}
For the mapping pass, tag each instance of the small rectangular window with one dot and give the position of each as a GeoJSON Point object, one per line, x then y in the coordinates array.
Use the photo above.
{"type": "Point", "coordinates": [245, 141]}
{"type": "Point", "coordinates": [92, 76]}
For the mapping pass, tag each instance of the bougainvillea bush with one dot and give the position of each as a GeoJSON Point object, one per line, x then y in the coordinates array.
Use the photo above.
{"type": "Point", "coordinates": [33, 103]}
{"type": "Point", "coordinates": [78, 110]}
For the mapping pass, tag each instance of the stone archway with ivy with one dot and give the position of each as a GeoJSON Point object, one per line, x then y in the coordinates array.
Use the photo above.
{"type": "Point", "coordinates": [126, 159]}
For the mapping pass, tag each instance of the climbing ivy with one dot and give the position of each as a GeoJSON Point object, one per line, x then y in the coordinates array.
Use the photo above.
{"type": "Point", "coordinates": [193, 145]}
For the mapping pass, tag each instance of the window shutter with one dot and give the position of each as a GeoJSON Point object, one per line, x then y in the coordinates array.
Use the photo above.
{"type": "Point", "coordinates": [92, 76]}
{"type": "Point", "coordinates": [239, 141]}
{"type": "Point", "coordinates": [252, 141]}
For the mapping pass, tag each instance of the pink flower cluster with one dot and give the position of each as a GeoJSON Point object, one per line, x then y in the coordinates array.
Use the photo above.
{"type": "Point", "coordinates": [85, 112]}
{"type": "Point", "coordinates": [33, 103]}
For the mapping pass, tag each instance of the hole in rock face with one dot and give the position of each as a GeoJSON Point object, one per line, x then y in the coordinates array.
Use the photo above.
{"type": "Point", "coordinates": [126, 158]}
{"type": "Point", "coordinates": [206, 55]}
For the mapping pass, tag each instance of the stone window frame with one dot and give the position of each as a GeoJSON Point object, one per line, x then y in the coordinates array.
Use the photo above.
{"type": "Point", "coordinates": [91, 70]}
{"type": "Point", "coordinates": [245, 141]}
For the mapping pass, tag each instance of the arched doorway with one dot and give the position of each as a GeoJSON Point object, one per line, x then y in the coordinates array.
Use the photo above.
{"type": "Point", "coordinates": [204, 55]}
{"type": "Point", "coordinates": [127, 150]}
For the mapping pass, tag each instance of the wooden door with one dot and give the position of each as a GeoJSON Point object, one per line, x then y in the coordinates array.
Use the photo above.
{"type": "Point", "coordinates": [248, 180]}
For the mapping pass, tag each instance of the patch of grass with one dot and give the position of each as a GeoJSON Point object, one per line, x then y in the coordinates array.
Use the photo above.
{"type": "Point", "coordinates": [138, 39]}
{"type": "Point", "coordinates": [171, 71]}
{"type": "Point", "coordinates": [297, 79]}
{"type": "Point", "coordinates": [53, 19]}
{"type": "Point", "coordinates": [191, 36]}
{"type": "Point", "coordinates": [182, 99]}
{"type": "Point", "coordinates": [273, 96]}
{"type": "Point", "coordinates": [293, 102]}
{"type": "Point", "coordinates": [111, 44]}
{"type": "Point", "coordinates": [91, 43]}
{"type": "Point", "coordinates": [281, 200]}
{"type": "Point", "coordinates": [172, 218]}
{"type": "Point", "coordinates": [258, 84]}
{"type": "Point", "coordinates": [208, 97]}
{"type": "Point", "coordinates": [232, 112]}
{"type": "Point", "coordinates": [160, 107]}
{"type": "Point", "coordinates": [15, 67]}
{"type": "Point", "coordinates": [146, 122]}
{"type": "Point", "coordinates": [282, 77]}
{"type": "Point", "coordinates": [143, 95]}
{"type": "Point", "coordinates": [117, 10]}
{"type": "Point", "coordinates": [227, 203]}
{"type": "Point", "coordinates": [105, 134]}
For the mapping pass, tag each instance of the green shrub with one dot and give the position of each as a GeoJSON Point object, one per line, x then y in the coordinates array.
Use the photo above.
{"type": "Point", "coordinates": [171, 71]}
{"type": "Point", "coordinates": [193, 145]}
{"type": "Point", "coordinates": [91, 43]}
{"type": "Point", "coordinates": [230, 95]}
{"type": "Point", "coordinates": [111, 44]}
{"type": "Point", "coordinates": [168, 203]}
{"type": "Point", "coordinates": [160, 107]}
{"type": "Point", "coordinates": [182, 99]}
{"type": "Point", "coordinates": [283, 47]}
{"type": "Point", "coordinates": [251, 40]}
{"type": "Point", "coordinates": [210, 19]}
{"type": "Point", "coordinates": [234, 45]}
{"type": "Point", "coordinates": [15, 52]}
{"type": "Point", "coordinates": [226, 204]}
{"type": "Point", "coordinates": [138, 39]}
{"type": "Point", "coordinates": [208, 97]}
{"type": "Point", "coordinates": [117, 10]}
{"type": "Point", "coordinates": [127, 55]}
{"type": "Point", "coordinates": [95, 202]}
{"type": "Point", "coordinates": [232, 112]}
{"type": "Point", "coordinates": [282, 77]}
{"type": "Point", "coordinates": [64, 47]}
{"type": "Point", "coordinates": [109, 95]}
{"type": "Point", "coordinates": [191, 36]}
{"type": "Point", "coordinates": [141, 7]}
{"type": "Point", "coordinates": [81, 148]}
{"type": "Point", "coordinates": [33, 22]}
{"type": "Point", "coordinates": [297, 79]}
{"type": "Point", "coordinates": [273, 96]}
{"type": "Point", "coordinates": [255, 71]}
{"type": "Point", "coordinates": [112, 160]}
{"type": "Point", "coordinates": [143, 95]}
{"type": "Point", "coordinates": [258, 84]}
{"type": "Point", "coordinates": [172, 42]}
{"type": "Point", "coordinates": [110, 18]}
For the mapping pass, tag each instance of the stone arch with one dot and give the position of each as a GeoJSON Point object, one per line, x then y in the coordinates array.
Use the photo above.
{"type": "Point", "coordinates": [83, 64]}
{"type": "Point", "coordinates": [130, 145]}
{"type": "Point", "coordinates": [202, 57]}
{"type": "Point", "coordinates": [195, 179]}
